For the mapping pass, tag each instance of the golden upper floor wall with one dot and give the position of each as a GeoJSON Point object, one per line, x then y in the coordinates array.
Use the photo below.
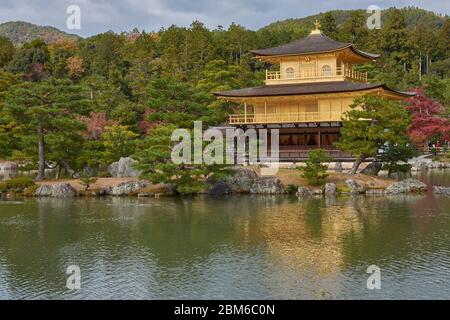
{"type": "Point", "coordinates": [316, 68]}
{"type": "Point", "coordinates": [314, 58]}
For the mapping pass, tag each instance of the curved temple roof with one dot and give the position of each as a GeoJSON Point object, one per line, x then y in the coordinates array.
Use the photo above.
{"type": "Point", "coordinates": [306, 88]}
{"type": "Point", "coordinates": [314, 43]}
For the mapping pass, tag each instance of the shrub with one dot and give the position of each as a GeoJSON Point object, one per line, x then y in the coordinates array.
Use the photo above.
{"type": "Point", "coordinates": [291, 189]}
{"type": "Point", "coordinates": [29, 191]}
{"type": "Point", "coordinates": [16, 185]}
{"type": "Point", "coordinates": [314, 171]}
{"type": "Point", "coordinates": [87, 181]}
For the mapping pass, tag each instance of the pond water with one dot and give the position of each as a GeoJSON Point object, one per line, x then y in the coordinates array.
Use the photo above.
{"type": "Point", "coordinates": [238, 247]}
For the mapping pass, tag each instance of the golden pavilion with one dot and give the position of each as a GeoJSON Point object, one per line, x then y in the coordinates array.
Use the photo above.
{"type": "Point", "coordinates": [307, 97]}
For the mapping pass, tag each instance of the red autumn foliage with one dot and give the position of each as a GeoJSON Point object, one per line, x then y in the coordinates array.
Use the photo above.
{"type": "Point", "coordinates": [427, 122]}
{"type": "Point", "coordinates": [145, 125]}
{"type": "Point", "coordinates": [96, 124]}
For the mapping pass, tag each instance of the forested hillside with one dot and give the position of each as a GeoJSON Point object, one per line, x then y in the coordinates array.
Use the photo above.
{"type": "Point", "coordinates": [20, 32]}
{"type": "Point", "coordinates": [91, 101]}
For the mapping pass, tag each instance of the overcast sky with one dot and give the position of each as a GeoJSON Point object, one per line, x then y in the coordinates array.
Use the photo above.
{"type": "Point", "coordinates": [123, 15]}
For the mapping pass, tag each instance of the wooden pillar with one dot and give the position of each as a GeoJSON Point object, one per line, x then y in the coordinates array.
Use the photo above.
{"type": "Point", "coordinates": [265, 110]}
{"type": "Point", "coordinates": [318, 137]}
{"type": "Point", "coordinates": [245, 111]}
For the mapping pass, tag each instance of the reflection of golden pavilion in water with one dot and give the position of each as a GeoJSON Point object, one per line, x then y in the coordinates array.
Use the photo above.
{"type": "Point", "coordinates": [305, 242]}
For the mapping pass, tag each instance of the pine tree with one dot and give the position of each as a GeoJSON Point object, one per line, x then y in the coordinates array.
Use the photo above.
{"type": "Point", "coordinates": [328, 25]}
{"type": "Point", "coordinates": [372, 123]}
{"type": "Point", "coordinates": [47, 113]}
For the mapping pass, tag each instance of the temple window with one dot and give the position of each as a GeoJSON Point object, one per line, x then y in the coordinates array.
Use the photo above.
{"type": "Point", "coordinates": [290, 72]}
{"type": "Point", "coordinates": [326, 70]}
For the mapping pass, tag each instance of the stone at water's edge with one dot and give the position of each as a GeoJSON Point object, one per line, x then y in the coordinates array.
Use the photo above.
{"type": "Point", "coordinates": [60, 190]}
{"type": "Point", "coordinates": [441, 190]}
{"type": "Point", "coordinates": [354, 186]}
{"type": "Point", "coordinates": [242, 180]}
{"type": "Point", "coordinates": [407, 186]}
{"type": "Point", "coordinates": [267, 185]}
{"type": "Point", "coordinates": [303, 192]}
{"type": "Point", "coordinates": [220, 188]}
{"type": "Point", "coordinates": [377, 192]}
{"type": "Point", "coordinates": [45, 190]}
{"type": "Point", "coordinates": [330, 188]}
{"type": "Point", "coordinates": [372, 169]}
{"type": "Point", "coordinates": [128, 188]}
{"type": "Point", "coordinates": [400, 175]}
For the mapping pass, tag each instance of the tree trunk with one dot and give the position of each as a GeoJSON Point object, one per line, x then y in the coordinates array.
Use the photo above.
{"type": "Point", "coordinates": [69, 170]}
{"type": "Point", "coordinates": [357, 163]}
{"type": "Point", "coordinates": [41, 148]}
{"type": "Point", "coordinates": [58, 173]}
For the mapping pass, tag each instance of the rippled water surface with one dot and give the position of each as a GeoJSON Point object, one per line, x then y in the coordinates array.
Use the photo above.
{"type": "Point", "coordinates": [236, 247]}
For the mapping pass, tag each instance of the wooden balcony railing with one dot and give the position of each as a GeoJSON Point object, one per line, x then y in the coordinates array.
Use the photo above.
{"type": "Point", "coordinates": [261, 118]}
{"type": "Point", "coordinates": [340, 73]}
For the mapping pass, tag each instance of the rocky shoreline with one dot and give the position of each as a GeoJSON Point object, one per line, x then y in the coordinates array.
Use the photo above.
{"type": "Point", "coordinates": [245, 180]}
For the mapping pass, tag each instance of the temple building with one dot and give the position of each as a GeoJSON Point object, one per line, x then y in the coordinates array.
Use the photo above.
{"type": "Point", "coordinates": [306, 98]}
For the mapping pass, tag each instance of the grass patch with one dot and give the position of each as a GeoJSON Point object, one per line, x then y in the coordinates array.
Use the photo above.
{"type": "Point", "coordinates": [340, 188]}
{"type": "Point", "coordinates": [16, 185]}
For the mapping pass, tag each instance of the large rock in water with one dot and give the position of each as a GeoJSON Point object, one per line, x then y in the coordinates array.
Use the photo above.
{"type": "Point", "coordinates": [441, 190]}
{"type": "Point", "coordinates": [128, 188]}
{"type": "Point", "coordinates": [59, 190]}
{"type": "Point", "coordinates": [220, 188]}
{"type": "Point", "coordinates": [406, 186]}
{"type": "Point", "coordinates": [242, 181]}
{"type": "Point", "coordinates": [267, 185]}
{"type": "Point", "coordinates": [303, 192]}
{"type": "Point", "coordinates": [44, 190]}
{"type": "Point", "coordinates": [354, 186]}
{"type": "Point", "coordinates": [330, 188]}
{"type": "Point", "coordinates": [123, 168]}
{"type": "Point", "coordinates": [372, 169]}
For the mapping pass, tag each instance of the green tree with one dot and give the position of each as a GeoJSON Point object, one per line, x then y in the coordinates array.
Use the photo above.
{"type": "Point", "coordinates": [47, 113]}
{"type": "Point", "coordinates": [392, 155]}
{"type": "Point", "coordinates": [155, 162]}
{"type": "Point", "coordinates": [32, 60]}
{"type": "Point", "coordinates": [6, 51]}
{"type": "Point", "coordinates": [102, 51]}
{"type": "Point", "coordinates": [328, 25]}
{"type": "Point", "coordinates": [176, 102]}
{"type": "Point", "coordinates": [9, 141]}
{"type": "Point", "coordinates": [314, 170]}
{"type": "Point", "coordinates": [372, 123]}
{"type": "Point", "coordinates": [118, 142]}
{"type": "Point", "coordinates": [354, 30]}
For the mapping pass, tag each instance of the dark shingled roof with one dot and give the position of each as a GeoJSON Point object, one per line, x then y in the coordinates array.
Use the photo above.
{"type": "Point", "coordinates": [311, 44]}
{"type": "Point", "coordinates": [305, 88]}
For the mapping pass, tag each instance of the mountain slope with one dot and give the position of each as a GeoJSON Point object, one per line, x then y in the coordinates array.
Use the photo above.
{"type": "Point", "coordinates": [413, 16]}
{"type": "Point", "coordinates": [20, 32]}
